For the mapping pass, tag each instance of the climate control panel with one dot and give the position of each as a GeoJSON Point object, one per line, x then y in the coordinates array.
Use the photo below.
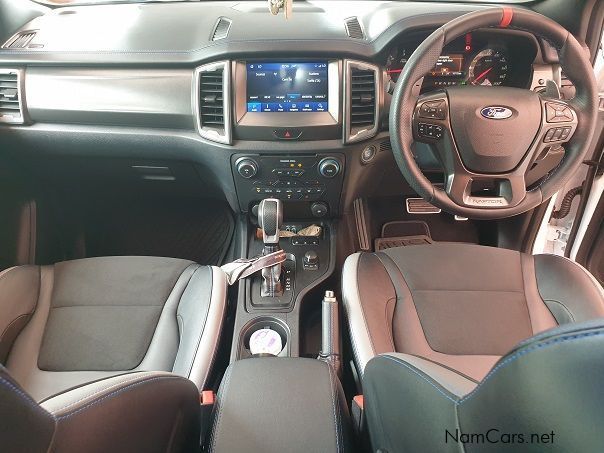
{"type": "Point", "coordinates": [314, 179]}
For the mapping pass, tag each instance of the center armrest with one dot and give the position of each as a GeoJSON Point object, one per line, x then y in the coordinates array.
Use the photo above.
{"type": "Point", "coordinates": [271, 404]}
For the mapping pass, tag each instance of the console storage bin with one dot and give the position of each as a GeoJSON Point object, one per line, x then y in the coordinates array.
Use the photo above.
{"type": "Point", "coordinates": [277, 404]}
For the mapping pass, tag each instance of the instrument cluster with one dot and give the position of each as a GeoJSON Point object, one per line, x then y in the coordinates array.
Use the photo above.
{"type": "Point", "coordinates": [487, 58]}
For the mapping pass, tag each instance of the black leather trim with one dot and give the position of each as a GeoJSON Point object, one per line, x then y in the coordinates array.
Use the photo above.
{"type": "Point", "coordinates": [280, 404]}
{"type": "Point", "coordinates": [19, 294]}
{"type": "Point", "coordinates": [570, 293]}
{"type": "Point", "coordinates": [25, 426]}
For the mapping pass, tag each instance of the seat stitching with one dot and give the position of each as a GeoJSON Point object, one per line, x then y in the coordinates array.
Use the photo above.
{"type": "Point", "coordinates": [221, 394]}
{"type": "Point", "coordinates": [24, 396]}
{"type": "Point", "coordinates": [202, 330]}
{"type": "Point", "coordinates": [116, 392]}
{"type": "Point", "coordinates": [526, 301]}
{"type": "Point", "coordinates": [415, 371]}
{"type": "Point", "coordinates": [528, 350]}
{"type": "Point", "coordinates": [590, 277]}
{"type": "Point", "coordinates": [104, 389]}
{"type": "Point", "coordinates": [333, 404]}
{"type": "Point", "coordinates": [5, 272]}
{"type": "Point", "coordinates": [570, 314]}
{"type": "Point", "coordinates": [31, 313]}
{"type": "Point", "coordinates": [453, 370]}
{"type": "Point", "coordinates": [390, 322]}
{"type": "Point", "coordinates": [363, 310]}
{"type": "Point", "coordinates": [10, 324]}
{"type": "Point", "coordinates": [220, 328]}
{"type": "Point", "coordinates": [501, 365]}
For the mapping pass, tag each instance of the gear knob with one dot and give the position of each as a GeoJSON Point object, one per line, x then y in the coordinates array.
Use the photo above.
{"type": "Point", "coordinates": [270, 217]}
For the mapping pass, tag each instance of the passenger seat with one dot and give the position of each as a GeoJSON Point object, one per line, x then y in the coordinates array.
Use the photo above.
{"type": "Point", "coordinates": [98, 348]}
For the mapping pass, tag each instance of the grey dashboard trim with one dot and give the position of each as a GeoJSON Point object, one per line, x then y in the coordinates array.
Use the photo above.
{"type": "Point", "coordinates": [122, 97]}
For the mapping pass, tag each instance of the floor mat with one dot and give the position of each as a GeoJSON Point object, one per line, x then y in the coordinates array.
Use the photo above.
{"type": "Point", "coordinates": [443, 226]}
{"type": "Point", "coordinates": [403, 233]}
{"type": "Point", "coordinates": [402, 241]}
{"type": "Point", "coordinates": [401, 228]}
{"type": "Point", "coordinates": [193, 229]}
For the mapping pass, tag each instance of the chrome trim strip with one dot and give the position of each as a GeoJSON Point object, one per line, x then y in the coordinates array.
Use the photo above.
{"type": "Point", "coordinates": [207, 132]}
{"type": "Point", "coordinates": [350, 135]}
{"type": "Point", "coordinates": [14, 119]}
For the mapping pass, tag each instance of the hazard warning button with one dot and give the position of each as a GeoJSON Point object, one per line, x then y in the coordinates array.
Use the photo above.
{"type": "Point", "coordinates": [287, 134]}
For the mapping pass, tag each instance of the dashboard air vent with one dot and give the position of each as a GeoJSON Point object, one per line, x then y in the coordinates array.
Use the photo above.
{"type": "Point", "coordinates": [20, 41]}
{"type": "Point", "coordinates": [221, 30]}
{"type": "Point", "coordinates": [213, 101]}
{"type": "Point", "coordinates": [362, 100]}
{"type": "Point", "coordinates": [362, 95]}
{"type": "Point", "coordinates": [11, 110]}
{"type": "Point", "coordinates": [353, 28]}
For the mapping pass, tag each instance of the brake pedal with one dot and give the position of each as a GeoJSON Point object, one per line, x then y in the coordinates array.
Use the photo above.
{"type": "Point", "coordinates": [420, 206]}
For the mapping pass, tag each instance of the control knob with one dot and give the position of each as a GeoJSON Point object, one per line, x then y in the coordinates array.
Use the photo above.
{"type": "Point", "coordinates": [319, 209]}
{"type": "Point", "coordinates": [329, 167]}
{"type": "Point", "coordinates": [247, 168]}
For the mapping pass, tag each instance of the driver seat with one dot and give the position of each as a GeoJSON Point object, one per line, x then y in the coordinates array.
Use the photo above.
{"type": "Point", "coordinates": [460, 306]}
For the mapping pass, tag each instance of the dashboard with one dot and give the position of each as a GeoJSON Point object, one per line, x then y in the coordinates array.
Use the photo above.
{"type": "Point", "coordinates": [256, 104]}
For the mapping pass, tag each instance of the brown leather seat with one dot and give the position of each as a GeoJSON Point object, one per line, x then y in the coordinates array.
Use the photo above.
{"type": "Point", "coordinates": [461, 306]}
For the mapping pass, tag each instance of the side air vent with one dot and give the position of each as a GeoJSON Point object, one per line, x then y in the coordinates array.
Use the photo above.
{"type": "Point", "coordinates": [11, 108]}
{"type": "Point", "coordinates": [213, 82]}
{"type": "Point", "coordinates": [353, 28]}
{"type": "Point", "coordinates": [221, 30]}
{"type": "Point", "coordinates": [362, 96]}
{"type": "Point", "coordinates": [21, 40]}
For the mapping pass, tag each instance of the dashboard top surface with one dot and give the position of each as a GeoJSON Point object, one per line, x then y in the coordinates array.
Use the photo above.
{"type": "Point", "coordinates": [181, 33]}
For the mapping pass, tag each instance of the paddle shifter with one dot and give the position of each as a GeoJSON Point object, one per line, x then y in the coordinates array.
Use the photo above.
{"type": "Point", "coordinates": [270, 216]}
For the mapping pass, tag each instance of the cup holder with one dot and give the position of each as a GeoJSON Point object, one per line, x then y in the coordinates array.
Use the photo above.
{"type": "Point", "coordinates": [264, 322]}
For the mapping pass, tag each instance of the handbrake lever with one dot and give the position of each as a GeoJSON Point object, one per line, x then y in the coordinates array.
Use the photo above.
{"type": "Point", "coordinates": [244, 267]}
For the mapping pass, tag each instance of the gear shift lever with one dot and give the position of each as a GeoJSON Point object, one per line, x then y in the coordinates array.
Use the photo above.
{"type": "Point", "coordinates": [270, 217]}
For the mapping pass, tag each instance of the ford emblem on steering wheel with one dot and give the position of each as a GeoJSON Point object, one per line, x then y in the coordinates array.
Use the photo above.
{"type": "Point", "coordinates": [496, 113]}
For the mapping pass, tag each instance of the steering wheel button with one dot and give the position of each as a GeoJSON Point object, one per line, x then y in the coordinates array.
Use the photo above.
{"type": "Point", "coordinates": [549, 135]}
{"type": "Point", "coordinates": [565, 133]}
{"type": "Point", "coordinates": [557, 134]}
{"type": "Point", "coordinates": [557, 113]}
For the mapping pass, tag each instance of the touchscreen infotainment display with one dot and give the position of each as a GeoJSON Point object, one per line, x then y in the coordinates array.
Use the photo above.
{"type": "Point", "coordinates": [287, 87]}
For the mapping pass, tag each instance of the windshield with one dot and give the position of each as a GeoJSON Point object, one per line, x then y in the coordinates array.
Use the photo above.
{"type": "Point", "coordinates": [88, 2]}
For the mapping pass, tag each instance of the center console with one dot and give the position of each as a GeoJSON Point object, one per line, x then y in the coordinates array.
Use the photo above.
{"type": "Point", "coordinates": [315, 179]}
{"type": "Point", "coordinates": [280, 404]}
{"type": "Point", "coordinates": [272, 299]}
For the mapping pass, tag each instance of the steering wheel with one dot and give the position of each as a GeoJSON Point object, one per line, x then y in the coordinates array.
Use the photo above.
{"type": "Point", "coordinates": [492, 135]}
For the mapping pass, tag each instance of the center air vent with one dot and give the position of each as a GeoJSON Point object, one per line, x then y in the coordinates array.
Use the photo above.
{"type": "Point", "coordinates": [362, 100]}
{"type": "Point", "coordinates": [20, 41]}
{"type": "Point", "coordinates": [221, 30]}
{"type": "Point", "coordinates": [353, 28]}
{"type": "Point", "coordinates": [213, 102]}
{"type": "Point", "coordinates": [10, 97]}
